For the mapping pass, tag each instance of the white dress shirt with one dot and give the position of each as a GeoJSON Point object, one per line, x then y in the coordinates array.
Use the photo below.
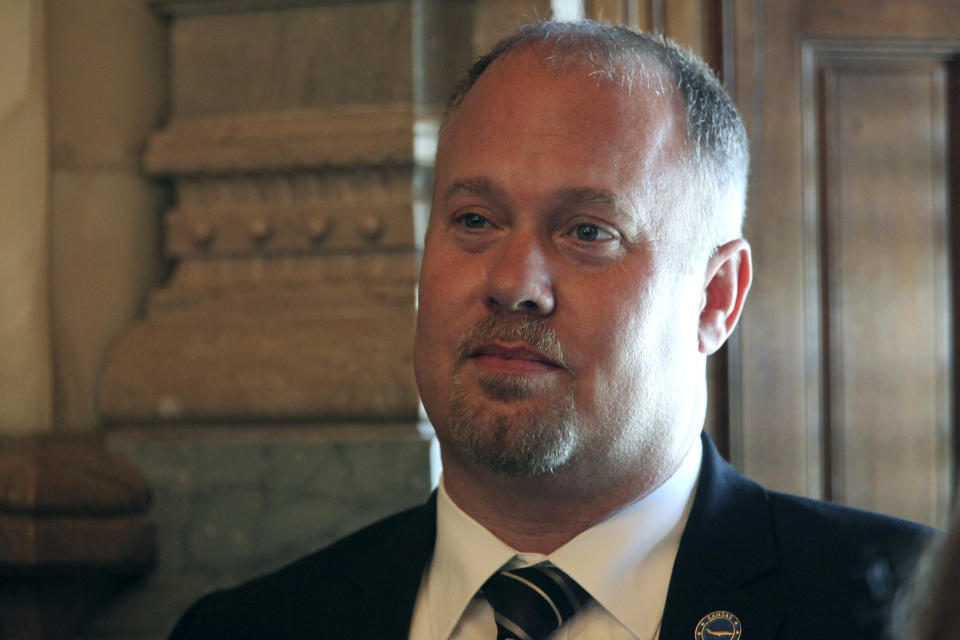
{"type": "Point", "coordinates": [624, 562]}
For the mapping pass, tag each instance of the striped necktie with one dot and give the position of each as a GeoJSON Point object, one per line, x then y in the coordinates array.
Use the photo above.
{"type": "Point", "coordinates": [532, 602]}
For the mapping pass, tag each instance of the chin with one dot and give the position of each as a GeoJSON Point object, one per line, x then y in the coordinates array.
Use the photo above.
{"type": "Point", "coordinates": [530, 439]}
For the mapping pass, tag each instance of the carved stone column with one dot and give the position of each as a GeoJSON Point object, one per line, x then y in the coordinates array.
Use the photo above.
{"type": "Point", "coordinates": [292, 297]}
{"type": "Point", "coordinates": [293, 293]}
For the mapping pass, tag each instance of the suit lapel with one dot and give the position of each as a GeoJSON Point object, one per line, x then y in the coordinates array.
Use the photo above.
{"type": "Point", "coordinates": [389, 575]}
{"type": "Point", "coordinates": [726, 553]}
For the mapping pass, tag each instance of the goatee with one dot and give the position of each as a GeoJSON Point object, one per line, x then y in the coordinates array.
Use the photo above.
{"type": "Point", "coordinates": [531, 441]}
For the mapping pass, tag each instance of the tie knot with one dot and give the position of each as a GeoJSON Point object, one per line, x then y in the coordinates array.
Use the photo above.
{"type": "Point", "coordinates": [532, 602]}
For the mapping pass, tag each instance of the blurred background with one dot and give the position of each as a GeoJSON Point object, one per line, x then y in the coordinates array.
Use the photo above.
{"type": "Point", "coordinates": [210, 222]}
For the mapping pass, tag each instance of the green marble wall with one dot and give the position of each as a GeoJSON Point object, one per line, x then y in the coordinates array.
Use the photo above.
{"type": "Point", "coordinates": [231, 506]}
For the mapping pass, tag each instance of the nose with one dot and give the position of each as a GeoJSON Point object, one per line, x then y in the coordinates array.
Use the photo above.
{"type": "Point", "coordinates": [519, 279]}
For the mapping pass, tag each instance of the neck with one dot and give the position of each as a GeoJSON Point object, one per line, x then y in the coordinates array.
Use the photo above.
{"type": "Point", "coordinates": [539, 515]}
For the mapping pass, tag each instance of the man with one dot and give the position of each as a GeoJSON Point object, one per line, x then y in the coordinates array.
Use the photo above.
{"type": "Point", "coordinates": [583, 258]}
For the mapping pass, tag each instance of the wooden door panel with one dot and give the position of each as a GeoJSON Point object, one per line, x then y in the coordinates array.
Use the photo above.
{"type": "Point", "coordinates": [845, 360]}
{"type": "Point", "coordinates": [885, 282]}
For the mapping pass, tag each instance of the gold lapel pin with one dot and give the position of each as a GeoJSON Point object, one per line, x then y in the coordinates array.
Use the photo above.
{"type": "Point", "coordinates": [719, 625]}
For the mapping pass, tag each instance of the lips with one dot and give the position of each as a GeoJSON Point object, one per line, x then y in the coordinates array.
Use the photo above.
{"type": "Point", "coordinates": [519, 352]}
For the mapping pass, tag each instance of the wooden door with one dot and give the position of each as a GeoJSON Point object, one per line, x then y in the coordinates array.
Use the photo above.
{"type": "Point", "coordinates": [842, 376]}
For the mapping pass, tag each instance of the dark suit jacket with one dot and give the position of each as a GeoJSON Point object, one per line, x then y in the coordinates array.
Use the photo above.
{"type": "Point", "coordinates": [787, 567]}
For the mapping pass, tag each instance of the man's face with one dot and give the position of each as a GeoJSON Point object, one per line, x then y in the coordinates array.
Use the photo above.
{"type": "Point", "coordinates": [558, 319]}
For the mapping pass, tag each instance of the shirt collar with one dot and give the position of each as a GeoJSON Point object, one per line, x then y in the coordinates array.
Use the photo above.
{"type": "Point", "coordinates": [464, 556]}
{"type": "Point", "coordinates": [624, 561]}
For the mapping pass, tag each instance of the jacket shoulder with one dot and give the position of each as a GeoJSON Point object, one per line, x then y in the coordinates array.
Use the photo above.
{"type": "Point", "coordinates": [289, 601]}
{"type": "Point", "coordinates": [843, 563]}
{"type": "Point", "coordinates": [803, 522]}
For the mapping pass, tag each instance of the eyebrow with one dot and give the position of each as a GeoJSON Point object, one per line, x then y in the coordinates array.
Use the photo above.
{"type": "Point", "coordinates": [596, 197]}
{"type": "Point", "coordinates": [571, 196]}
{"type": "Point", "coordinates": [475, 185]}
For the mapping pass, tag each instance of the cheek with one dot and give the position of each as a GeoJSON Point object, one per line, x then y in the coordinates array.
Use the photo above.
{"type": "Point", "coordinates": [637, 345]}
{"type": "Point", "coordinates": [615, 356]}
{"type": "Point", "coordinates": [429, 366]}
{"type": "Point", "coordinates": [424, 351]}
{"type": "Point", "coordinates": [430, 323]}
{"type": "Point", "coordinates": [638, 351]}
{"type": "Point", "coordinates": [440, 322]}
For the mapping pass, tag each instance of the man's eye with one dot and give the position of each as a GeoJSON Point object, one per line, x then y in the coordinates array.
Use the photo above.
{"type": "Point", "coordinates": [473, 221]}
{"type": "Point", "coordinates": [591, 233]}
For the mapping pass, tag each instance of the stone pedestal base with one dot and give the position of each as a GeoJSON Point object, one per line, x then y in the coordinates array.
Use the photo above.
{"type": "Point", "coordinates": [233, 502]}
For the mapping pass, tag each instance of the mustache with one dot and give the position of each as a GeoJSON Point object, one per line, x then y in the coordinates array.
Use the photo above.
{"type": "Point", "coordinates": [500, 327]}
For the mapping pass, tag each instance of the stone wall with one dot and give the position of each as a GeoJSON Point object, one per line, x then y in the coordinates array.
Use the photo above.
{"type": "Point", "coordinates": [231, 503]}
{"type": "Point", "coordinates": [25, 372]}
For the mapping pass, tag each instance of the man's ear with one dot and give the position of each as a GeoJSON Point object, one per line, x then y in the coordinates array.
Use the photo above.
{"type": "Point", "coordinates": [727, 280]}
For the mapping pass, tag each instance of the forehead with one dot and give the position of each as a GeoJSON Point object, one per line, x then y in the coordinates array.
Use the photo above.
{"type": "Point", "coordinates": [527, 122]}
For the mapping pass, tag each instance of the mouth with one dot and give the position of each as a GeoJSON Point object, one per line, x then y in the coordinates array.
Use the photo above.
{"type": "Point", "coordinates": [513, 358]}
